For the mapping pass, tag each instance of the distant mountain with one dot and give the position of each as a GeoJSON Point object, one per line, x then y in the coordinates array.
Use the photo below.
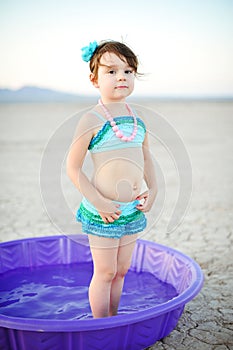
{"type": "Point", "coordinates": [36, 94]}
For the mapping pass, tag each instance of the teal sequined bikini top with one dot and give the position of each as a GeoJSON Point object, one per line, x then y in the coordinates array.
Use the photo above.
{"type": "Point", "coordinates": [106, 140]}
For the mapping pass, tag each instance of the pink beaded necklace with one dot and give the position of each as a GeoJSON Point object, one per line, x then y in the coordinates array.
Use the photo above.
{"type": "Point", "coordinates": [115, 128]}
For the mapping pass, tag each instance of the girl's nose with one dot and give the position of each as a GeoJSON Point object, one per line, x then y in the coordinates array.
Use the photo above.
{"type": "Point", "coordinates": [121, 76]}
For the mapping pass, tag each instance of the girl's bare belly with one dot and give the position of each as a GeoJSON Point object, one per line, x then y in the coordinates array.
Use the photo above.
{"type": "Point", "coordinates": [118, 174]}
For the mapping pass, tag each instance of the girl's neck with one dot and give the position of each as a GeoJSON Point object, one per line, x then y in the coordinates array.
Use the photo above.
{"type": "Point", "coordinates": [109, 101]}
{"type": "Point", "coordinates": [116, 108]}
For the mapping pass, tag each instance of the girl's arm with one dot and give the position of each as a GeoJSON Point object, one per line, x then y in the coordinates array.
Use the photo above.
{"type": "Point", "coordinates": [150, 179]}
{"type": "Point", "coordinates": [75, 159]}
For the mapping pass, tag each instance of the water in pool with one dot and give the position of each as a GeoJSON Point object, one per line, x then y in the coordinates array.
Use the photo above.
{"type": "Point", "coordinates": [61, 292]}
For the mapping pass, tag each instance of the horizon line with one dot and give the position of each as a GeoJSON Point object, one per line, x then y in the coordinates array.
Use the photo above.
{"type": "Point", "coordinates": [138, 95]}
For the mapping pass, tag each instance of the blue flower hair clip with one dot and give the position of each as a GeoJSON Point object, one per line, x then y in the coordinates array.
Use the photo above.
{"type": "Point", "coordinates": [88, 51]}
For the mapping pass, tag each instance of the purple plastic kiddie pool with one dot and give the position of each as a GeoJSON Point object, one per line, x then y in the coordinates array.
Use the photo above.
{"type": "Point", "coordinates": [44, 296]}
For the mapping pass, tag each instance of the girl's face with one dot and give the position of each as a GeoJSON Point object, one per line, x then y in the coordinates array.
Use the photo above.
{"type": "Point", "coordinates": [115, 78]}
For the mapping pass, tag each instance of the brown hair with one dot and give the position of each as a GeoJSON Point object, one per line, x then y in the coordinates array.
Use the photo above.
{"type": "Point", "coordinates": [119, 49]}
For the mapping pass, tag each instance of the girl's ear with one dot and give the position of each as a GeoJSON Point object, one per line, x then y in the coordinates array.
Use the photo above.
{"type": "Point", "coordinates": [94, 80]}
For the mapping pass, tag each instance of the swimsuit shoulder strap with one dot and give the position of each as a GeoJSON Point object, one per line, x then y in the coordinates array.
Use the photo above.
{"type": "Point", "coordinates": [99, 116]}
{"type": "Point", "coordinates": [134, 112]}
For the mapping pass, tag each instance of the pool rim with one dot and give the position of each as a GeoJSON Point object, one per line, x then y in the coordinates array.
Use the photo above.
{"type": "Point", "coordinates": [53, 325]}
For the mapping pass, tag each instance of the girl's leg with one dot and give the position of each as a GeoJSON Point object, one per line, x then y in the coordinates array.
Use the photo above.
{"type": "Point", "coordinates": [104, 253]}
{"type": "Point", "coordinates": [124, 257]}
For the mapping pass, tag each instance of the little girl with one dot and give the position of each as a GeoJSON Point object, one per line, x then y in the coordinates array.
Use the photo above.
{"type": "Point", "coordinates": [113, 207]}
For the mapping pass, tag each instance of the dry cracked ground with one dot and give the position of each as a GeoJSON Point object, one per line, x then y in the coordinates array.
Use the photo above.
{"type": "Point", "coordinates": [205, 234]}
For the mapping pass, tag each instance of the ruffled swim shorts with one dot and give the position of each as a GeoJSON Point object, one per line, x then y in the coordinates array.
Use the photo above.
{"type": "Point", "coordinates": [130, 221]}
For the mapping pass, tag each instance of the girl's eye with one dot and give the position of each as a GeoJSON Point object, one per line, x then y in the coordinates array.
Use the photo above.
{"type": "Point", "coordinates": [112, 72]}
{"type": "Point", "coordinates": [128, 71]}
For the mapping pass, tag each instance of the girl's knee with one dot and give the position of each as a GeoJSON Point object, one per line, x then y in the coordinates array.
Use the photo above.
{"type": "Point", "coordinates": [106, 275]}
{"type": "Point", "coordinates": [122, 270]}
{"type": "Point", "coordinates": [109, 275]}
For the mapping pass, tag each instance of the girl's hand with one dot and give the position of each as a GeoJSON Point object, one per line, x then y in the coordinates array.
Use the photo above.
{"type": "Point", "coordinates": [109, 212]}
{"type": "Point", "coordinates": [148, 197]}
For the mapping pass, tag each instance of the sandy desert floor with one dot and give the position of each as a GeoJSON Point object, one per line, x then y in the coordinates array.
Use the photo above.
{"type": "Point", "coordinates": [205, 232]}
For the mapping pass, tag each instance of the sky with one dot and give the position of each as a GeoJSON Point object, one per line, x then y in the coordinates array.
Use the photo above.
{"type": "Point", "coordinates": [185, 47]}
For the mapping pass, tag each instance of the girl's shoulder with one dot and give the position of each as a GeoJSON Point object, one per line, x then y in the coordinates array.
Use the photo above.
{"type": "Point", "coordinates": [89, 122]}
{"type": "Point", "coordinates": [92, 117]}
{"type": "Point", "coordinates": [138, 111]}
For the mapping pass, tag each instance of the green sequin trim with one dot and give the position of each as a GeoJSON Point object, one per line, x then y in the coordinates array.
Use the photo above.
{"type": "Point", "coordinates": [106, 127]}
